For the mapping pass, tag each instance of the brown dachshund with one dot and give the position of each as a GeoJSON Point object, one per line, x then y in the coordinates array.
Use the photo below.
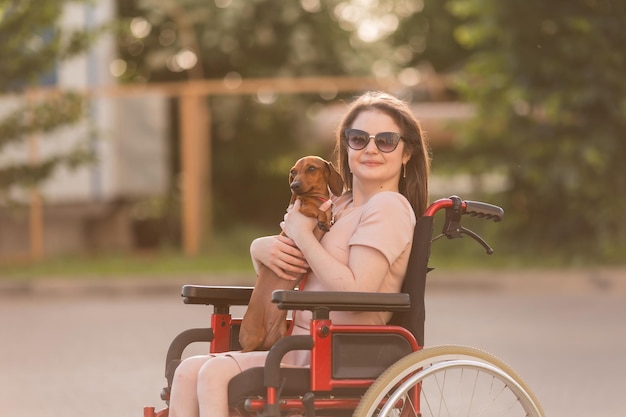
{"type": "Point", "coordinates": [263, 323]}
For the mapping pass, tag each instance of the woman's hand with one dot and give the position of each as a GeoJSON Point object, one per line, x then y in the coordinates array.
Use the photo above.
{"type": "Point", "coordinates": [298, 226]}
{"type": "Point", "coordinates": [280, 254]}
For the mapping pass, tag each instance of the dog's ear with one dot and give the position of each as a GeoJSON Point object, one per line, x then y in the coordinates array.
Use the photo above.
{"type": "Point", "coordinates": [335, 182]}
{"type": "Point", "coordinates": [291, 176]}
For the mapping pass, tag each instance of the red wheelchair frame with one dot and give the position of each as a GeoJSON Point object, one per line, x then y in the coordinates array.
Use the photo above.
{"type": "Point", "coordinates": [345, 359]}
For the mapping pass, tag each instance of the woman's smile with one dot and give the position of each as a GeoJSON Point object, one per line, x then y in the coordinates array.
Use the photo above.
{"type": "Point", "coordinates": [371, 163]}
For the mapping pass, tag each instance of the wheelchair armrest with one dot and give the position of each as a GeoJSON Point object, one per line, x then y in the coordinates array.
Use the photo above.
{"type": "Point", "coordinates": [218, 296]}
{"type": "Point", "coordinates": [341, 301]}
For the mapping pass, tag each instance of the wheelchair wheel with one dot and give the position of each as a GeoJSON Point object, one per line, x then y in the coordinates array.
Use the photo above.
{"type": "Point", "coordinates": [449, 381]}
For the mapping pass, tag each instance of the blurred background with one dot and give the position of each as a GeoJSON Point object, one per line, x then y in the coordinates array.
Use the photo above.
{"type": "Point", "coordinates": [157, 135]}
{"type": "Point", "coordinates": [153, 138]}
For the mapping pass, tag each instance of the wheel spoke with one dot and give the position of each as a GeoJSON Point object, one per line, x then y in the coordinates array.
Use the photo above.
{"type": "Point", "coordinates": [452, 382]}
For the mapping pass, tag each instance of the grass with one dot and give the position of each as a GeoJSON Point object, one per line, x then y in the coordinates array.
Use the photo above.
{"type": "Point", "coordinates": [230, 256]}
{"type": "Point", "coordinates": [153, 264]}
{"type": "Point", "coordinates": [167, 263]}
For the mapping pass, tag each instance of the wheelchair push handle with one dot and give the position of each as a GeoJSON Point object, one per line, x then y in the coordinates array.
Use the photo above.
{"type": "Point", "coordinates": [455, 208]}
{"type": "Point", "coordinates": [484, 210]}
{"type": "Point", "coordinates": [472, 208]}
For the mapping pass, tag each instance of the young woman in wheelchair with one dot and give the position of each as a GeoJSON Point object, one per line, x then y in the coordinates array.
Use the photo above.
{"type": "Point", "coordinates": [384, 161]}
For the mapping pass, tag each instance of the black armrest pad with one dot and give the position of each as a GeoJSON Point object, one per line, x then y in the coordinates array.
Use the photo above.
{"type": "Point", "coordinates": [214, 295]}
{"type": "Point", "coordinates": [341, 301]}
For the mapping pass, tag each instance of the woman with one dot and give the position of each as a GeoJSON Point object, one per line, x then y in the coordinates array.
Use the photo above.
{"type": "Point", "coordinates": [384, 161]}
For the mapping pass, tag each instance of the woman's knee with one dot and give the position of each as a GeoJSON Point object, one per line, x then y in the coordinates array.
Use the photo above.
{"type": "Point", "coordinates": [219, 370]}
{"type": "Point", "coordinates": [187, 371]}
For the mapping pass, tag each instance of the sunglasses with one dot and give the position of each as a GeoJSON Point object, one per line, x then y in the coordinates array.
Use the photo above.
{"type": "Point", "coordinates": [385, 141]}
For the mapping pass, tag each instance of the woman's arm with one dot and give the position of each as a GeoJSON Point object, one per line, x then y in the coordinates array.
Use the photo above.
{"type": "Point", "coordinates": [366, 268]}
{"type": "Point", "coordinates": [280, 254]}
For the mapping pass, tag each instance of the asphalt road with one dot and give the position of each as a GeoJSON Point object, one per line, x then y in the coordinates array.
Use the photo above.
{"type": "Point", "coordinates": [100, 356]}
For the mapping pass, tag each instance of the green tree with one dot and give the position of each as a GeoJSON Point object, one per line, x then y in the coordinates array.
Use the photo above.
{"type": "Point", "coordinates": [428, 35]}
{"type": "Point", "coordinates": [548, 80]}
{"type": "Point", "coordinates": [31, 43]}
{"type": "Point", "coordinates": [256, 139]}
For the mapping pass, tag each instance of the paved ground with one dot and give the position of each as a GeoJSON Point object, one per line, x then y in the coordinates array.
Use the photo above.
{"type": "Point", "coordinates": [72, 348]}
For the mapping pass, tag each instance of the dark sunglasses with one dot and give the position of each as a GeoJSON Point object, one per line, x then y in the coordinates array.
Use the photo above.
{"type": "Point", "coordinates": [385, 141]}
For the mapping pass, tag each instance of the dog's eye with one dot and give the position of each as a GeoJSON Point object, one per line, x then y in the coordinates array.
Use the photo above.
{"type": "Point", "coordinates": [293, 173]}
{"type": "Point", "coordinates": [311, 168]}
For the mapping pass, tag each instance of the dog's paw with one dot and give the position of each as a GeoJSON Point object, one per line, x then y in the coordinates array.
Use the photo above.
{"type": "Point", "coordinates": [323, 226]}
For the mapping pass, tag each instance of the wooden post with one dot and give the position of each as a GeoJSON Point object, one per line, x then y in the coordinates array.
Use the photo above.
{"type": "Point", "coordinates": [36, 224]}
{"type": "Point", "coordinates": [191, 170]}
{"type": "Point", "coordinates": [206, 190]}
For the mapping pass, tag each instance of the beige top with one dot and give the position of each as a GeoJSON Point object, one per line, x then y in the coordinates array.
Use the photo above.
{"type": "Point", "coordinates": [385, 222]}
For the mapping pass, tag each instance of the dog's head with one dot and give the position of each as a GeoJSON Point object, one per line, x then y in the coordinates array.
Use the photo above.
{"type": "Point", "coordinates": [312, 175]}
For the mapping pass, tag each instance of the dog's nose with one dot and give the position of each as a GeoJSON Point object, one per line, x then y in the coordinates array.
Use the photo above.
{"type": "Point", "coordinates": [295, 186]}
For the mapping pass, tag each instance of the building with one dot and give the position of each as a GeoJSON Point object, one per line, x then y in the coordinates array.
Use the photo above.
{"type": "Point", "coordinates": [94, 206]}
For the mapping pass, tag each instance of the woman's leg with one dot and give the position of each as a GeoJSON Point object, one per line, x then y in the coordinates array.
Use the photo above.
{"type": "Point", "coordinates": [184, 394]}
{"type": "Point", "coordinates": [212, 384]}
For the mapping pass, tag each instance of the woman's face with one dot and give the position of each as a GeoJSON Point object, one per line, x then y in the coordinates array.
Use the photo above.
{"type": "Point", "coordinates": [370, 166]}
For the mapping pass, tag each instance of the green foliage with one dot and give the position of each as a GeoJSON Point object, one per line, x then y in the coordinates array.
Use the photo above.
{"type": "Point", "coordinates": [266, 38]}
{"type": "Point", "coordinates": [40, 117]}
{"type": "Point", "coordinates": [31, 37]}
{"type": "Point", "coordinates": [251, 162]}
{"type": "Point", "coordinates": [548, 79]}
{"type": "Point", "coordinates": [428, 33]}
{"type": "Point", "coordinates": [256, 139]}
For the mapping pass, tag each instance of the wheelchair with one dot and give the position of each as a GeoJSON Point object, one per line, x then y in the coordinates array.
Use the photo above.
{"type": "Point", "coordinates": [363, 370]}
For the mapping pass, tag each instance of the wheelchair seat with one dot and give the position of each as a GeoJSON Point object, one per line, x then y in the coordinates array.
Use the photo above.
{"type": "Point", "coordinates": [345, 359]}
{"type": "Point", "coordinates": [353, 356]}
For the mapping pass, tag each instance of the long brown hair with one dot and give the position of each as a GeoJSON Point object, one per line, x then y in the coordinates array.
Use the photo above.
{"type": "Point", "coordinates": [415, 185]}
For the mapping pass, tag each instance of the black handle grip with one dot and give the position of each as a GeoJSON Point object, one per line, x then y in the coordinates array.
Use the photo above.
{"type": "Point", "coordinates": [484, 210]}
